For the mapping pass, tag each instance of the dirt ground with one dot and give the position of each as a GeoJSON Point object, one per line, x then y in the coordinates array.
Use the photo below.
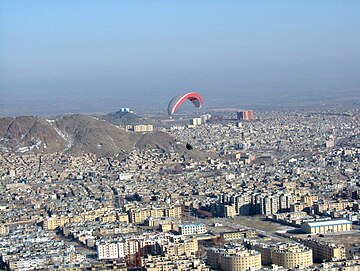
{"type": "Point", "coordinates": [244, 222]}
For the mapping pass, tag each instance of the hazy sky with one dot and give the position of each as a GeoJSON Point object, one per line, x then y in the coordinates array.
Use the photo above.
{"type": "Point", "coordinates": [65, 56]}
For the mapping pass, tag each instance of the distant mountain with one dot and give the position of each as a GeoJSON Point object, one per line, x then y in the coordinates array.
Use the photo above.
{"type": "Point", "coordinates": [77, 134]}
{"type": "Point", "coordinates": [126, 118]}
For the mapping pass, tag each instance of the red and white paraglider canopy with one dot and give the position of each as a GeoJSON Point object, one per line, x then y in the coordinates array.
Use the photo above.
{"type": "Point", "coordinates": [194, 97]}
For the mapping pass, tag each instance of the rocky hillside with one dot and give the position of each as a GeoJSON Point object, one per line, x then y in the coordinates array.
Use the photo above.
{"type": "Point", "coordinates": [77, 134]}
{"type": "Point", "coordinates": [24, 134]}
{"type": "Point", "coordinates": [167, 142]}
{"type": "Point", "coordinates": [85, 134]}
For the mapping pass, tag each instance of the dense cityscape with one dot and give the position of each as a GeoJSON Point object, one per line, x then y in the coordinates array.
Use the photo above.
{"type": "Point", "coordinates": [267, 190]}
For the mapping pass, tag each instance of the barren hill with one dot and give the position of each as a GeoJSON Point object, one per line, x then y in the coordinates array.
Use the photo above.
{"type": "Point", "coordinates": [24, 134]}
{"type": "Point", "coordinates": [87, 134]}
{"type": "Point", "coordinates": [167, 142]}
{"type": "Point", "coordinates": [77, 134]}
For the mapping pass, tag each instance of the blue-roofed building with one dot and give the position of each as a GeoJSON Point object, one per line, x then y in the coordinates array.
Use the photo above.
{"type": "Point", "coordinates": [326, 226]}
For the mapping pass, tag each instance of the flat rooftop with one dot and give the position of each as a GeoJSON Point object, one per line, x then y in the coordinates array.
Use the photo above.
{"type": "Point", "coordinates": [328, 222]}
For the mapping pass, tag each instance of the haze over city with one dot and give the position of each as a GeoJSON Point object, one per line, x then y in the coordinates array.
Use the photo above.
{"type": "Point", "coordinates": [94, 56]}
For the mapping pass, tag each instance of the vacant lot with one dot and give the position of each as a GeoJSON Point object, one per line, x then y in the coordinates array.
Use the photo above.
{"type": "Point", "coordinates": [245, 222]}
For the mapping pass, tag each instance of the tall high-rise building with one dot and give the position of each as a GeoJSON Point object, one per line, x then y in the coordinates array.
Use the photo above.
{"type": "Point", "coordinates": [245, 115]}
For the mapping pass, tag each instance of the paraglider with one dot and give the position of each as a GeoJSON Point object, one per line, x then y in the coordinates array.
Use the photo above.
{"type": "Point", "coordinates": [188, 146]}
{"type": "Point", "coordinates": [194, 97]}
